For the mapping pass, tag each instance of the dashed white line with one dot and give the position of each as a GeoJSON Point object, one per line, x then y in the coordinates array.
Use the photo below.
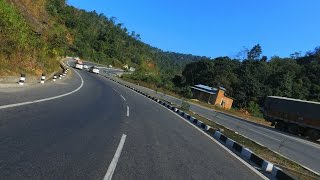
{"type": "Point", "coordinates": [45, 99]}
{"type": "Point", "coordinates": [115, 159]}
{"type": "Point", "coordinates": [123, 98]}
{"type": "Point", "coordinates": [219, 144]}
{"type": "Point", "coordinates": [128, 111]}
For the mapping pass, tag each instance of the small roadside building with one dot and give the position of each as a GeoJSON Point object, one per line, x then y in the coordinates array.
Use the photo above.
{"type": "Point", "coordinates": [215, 96]}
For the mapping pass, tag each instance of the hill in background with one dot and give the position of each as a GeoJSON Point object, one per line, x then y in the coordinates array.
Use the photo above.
{"type": "Point", "coordinates": [34, 33]}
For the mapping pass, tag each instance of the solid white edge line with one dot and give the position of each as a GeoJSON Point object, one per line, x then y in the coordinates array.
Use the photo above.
{"type": "Point", "coordinates": [128, 111]}
{"type": "Point", "coordinates": [45, 99]}
{"type": "Point", "coordinates": [115, 159]}
{"type": "Point", "coordinates": [214, 140]}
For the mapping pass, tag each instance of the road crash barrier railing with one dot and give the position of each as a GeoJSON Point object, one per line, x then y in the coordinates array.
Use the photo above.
{"type": "Point", "coordinates": [234, 146]}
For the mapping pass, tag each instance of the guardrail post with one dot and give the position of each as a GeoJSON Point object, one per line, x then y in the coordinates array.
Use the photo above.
{"type": "Point", "coordinates": [54, 77]}
{"type": "Point", "coordinates": [22, 79]}
{"type": "Point", "coordinates": [43, 78]}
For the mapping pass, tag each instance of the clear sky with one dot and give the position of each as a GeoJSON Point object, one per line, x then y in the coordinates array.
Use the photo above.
{"type": "Point", "coordinates": [217, 27]}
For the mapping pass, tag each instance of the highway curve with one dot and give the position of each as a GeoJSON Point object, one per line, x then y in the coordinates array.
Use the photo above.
{"type": "Point", "coordinates": [77, 137]}
{"type": "Point", "coordinates": [294, 148]}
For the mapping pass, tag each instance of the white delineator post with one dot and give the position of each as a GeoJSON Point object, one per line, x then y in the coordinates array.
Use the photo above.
{"type": "Point", "coordinates": [54, 77]}
{"type": "Point", "coordinates": [43, 78]}
{"type": "Point", "coordinates": [22, 79]}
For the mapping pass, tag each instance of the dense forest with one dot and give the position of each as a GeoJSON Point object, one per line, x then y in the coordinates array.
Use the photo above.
{"type": "Point", "coordinates": [35, 33]}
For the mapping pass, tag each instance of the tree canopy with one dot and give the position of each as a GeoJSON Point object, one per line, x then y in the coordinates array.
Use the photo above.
{"type": "Point", "coordinates": [252, 79]}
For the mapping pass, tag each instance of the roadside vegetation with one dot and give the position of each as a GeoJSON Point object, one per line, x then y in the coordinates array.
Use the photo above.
{"type": "Point", "coordinates": [35, 33]}
{"type": "Point", "coordinates": [21, 50]}
{"type": "Point", "coordinates": [248, 80]}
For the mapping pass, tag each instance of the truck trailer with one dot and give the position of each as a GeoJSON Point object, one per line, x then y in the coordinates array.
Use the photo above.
{"type": "Point", "coordinates": [295, 116]}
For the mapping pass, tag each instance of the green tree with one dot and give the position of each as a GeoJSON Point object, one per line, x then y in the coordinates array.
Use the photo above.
{"type": "Point", "coordinates": [255, 52]}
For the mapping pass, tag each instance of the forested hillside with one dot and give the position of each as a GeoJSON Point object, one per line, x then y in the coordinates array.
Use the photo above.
{"type": "Point", "coordinates": [95, 37]}
{"type": "Point", "coordinates": [35, 32]}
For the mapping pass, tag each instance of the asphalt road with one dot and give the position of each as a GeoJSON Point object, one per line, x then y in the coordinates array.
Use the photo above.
{"type": "Point", "coordinates": [109, 71]}
{"type": "Point", "coordinates": [39, 91]}
{"type": "Point", "coordinates": [77, 136]}
{"type": "Point", "coordinates": [295, 148]}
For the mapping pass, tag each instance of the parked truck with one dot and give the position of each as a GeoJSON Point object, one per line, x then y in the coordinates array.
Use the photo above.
{"type": "Point", "coordinates": [295, 116]}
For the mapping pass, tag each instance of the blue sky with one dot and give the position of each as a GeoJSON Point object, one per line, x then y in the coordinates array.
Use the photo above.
{"type": "Point", "coordinates": [217, 27]}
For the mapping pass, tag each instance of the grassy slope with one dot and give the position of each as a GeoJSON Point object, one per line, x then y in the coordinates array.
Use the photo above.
{"type": "Point", "coordinates": [23, 49]}
{"type": "Point", "coordinates": [36, 32]}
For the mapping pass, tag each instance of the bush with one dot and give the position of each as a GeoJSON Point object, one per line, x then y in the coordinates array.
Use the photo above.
{"type": "Point", "coordinates": [185, 106]}
{"type": "Point", "coordinates": [254, 109]}
{"type": "Point", "coordinates": [186, 92]}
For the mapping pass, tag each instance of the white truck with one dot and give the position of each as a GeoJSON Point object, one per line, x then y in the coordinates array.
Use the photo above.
{"type": "Point", "coordinates": [79, 64]}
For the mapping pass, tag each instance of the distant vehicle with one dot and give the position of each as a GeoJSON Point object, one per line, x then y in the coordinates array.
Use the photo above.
{"type": "Point", "coordinates": [110, 66]}
{"type": "Point", "coordinates": [295, 116]}
{"type": "Point", "coordinates": [85, 66]}
{"type": "Point", "coordinates": [79, 64]}
{"type": "Point", "coordinates": [94, 69]}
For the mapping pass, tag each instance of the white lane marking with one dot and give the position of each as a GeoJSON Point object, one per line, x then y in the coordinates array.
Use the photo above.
{"type": "Point", "coordinates": [128, 111]}
{"type": "Point", "coordinates": [265, 135]}
{"type": "Point", "coordinates": [115, 159]}
{"type": "Point", "coordinates": [252, 125]}
{"type": "Point", "coordinates": [123, 98]}
{"type": "Point", "coordinates": [214, 140]}
{"type": "Point", "coordinates": [226, 149]}
{"type": "Point", "coordinates": [255, 126]}
{"type": "Point", "coordinates": [45, 99]}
